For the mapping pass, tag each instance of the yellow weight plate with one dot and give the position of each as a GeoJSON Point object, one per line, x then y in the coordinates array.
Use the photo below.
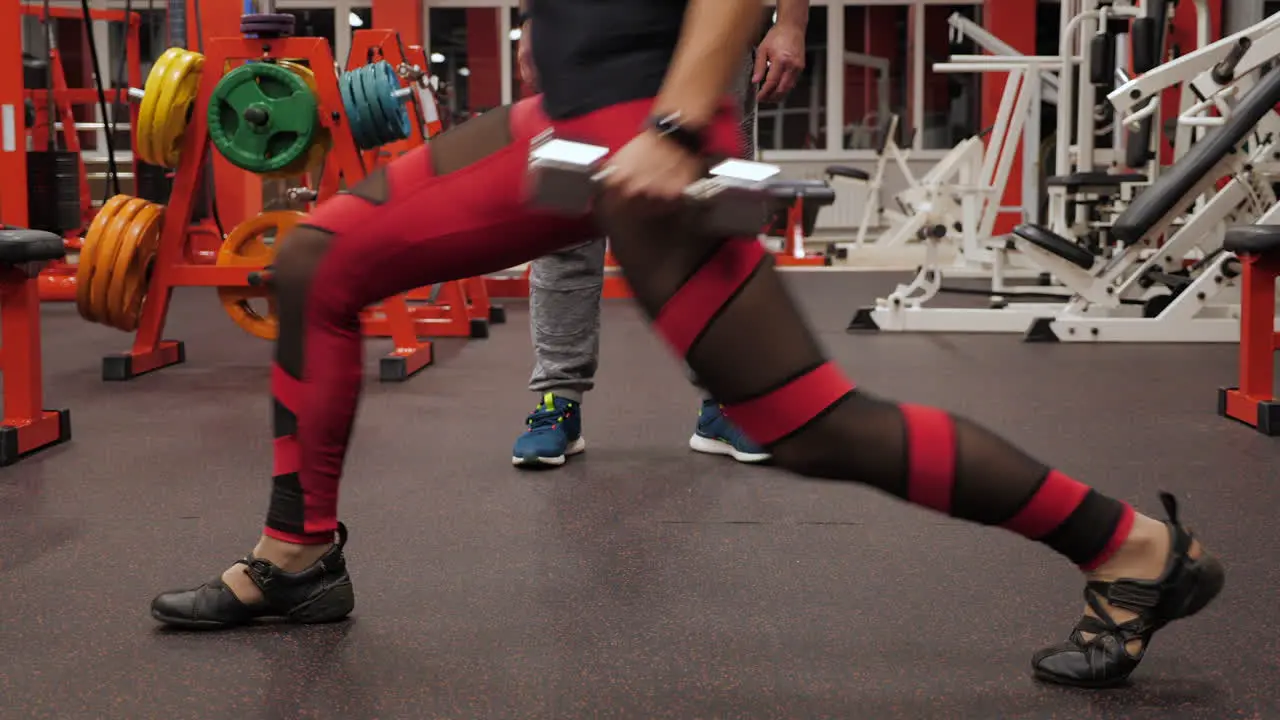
{"type": "Point", "coordinates": [246, 246]}
{"type": "Point", "coordinates": [128, 279]}
{"type": "Point", "coordinates": [148, 127]}
{"type": "Point", "coordinates": [108, 250]}
{"type": "Point", "coordinates": [170, 90]}
{"type": "Point", "coordinates": [89, 264]}
{"type": "Point", "coordinates": [323, 142]}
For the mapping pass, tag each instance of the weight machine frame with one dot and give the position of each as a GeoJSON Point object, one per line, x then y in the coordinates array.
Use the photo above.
{"type": "Point", "coordinates": [1134, 100]}
{"type": "Point", "coordinates": [27, 426]}
{"type": "Point", "coordinates": [455, 308]}
{"type": "Point", "coordinates": [150, 351]}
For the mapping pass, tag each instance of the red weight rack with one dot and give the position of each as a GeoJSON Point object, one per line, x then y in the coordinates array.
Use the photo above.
{"type": "Point", "coordinates": [344, 163]}
{"type": "Point", "coordinates": [447, 309]}
{"type": "Point", "coordinates": [58, 281]}
{"type": "Point", "coordinates": [27, 426]}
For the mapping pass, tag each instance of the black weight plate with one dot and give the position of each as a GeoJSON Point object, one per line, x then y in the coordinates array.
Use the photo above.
{"type": "Point", "coordinates": [266, 29]}
{"type": "Point", "coordinates": [269, 17]}
{"type": "Point", "coordinates": [273, 24]}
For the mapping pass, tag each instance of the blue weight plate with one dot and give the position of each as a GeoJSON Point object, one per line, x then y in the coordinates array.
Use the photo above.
{"type": "Point", "coordinates": [392, 107]}
{"type": "Point", "coordinates": [369, 111]}
{"type": "Point", "coordinates": [350, 82]}
{"type": "Point", "coordinates": [375, 88]}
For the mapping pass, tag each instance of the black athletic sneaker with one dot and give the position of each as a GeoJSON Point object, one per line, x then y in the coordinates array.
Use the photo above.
{"type": "Point", "coordinates": [321, 593]}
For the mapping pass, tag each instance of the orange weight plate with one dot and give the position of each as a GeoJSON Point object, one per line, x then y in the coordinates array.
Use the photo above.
{"type": "Point", "coordinates": [89, 265]}
{"type": "Point", "coordinates": [248, 246]}
{"type": "Point", "coordinates": [108, 251]}
{"type": "Point", "coordinates": [128, 279]}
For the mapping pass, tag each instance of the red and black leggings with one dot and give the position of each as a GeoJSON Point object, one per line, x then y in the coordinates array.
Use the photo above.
{"type": "Point", "coordinates": [455, 209]}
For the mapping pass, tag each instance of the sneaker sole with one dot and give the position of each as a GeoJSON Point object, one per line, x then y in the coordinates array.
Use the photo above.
{"type": "Point", "coordinates": [535, 461]}
{"type": "Point", "coordinates": [333, 605]}
{"type": "Point", "coordinates": [711, 446]}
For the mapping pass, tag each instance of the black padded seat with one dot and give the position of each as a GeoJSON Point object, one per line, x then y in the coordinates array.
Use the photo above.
{"type": "Point", "coordinates": [813, 192]}
{"type": "Point", "coordinates": [1075, 181]}
{"type": "Point", "coordinates": [19, 246]}
{"type": "Point", "coordinates": [845, 171]}
{"type": "Point", "coordinates": [1052, 242]}
{"type": "Point", "coordinates": [1252, 239]}
{"type": "Point", "coordinates": [816, 195]}
{"type": "Point", "coordinates": [1169, 191]}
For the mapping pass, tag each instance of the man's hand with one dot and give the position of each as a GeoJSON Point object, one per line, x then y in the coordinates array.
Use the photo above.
{"type": "Point", "coordinates": [779, 62]}
{"type": "Point", "coordinates": [651, 170]}
{"type": "Point", "coordinates": [524, 58]}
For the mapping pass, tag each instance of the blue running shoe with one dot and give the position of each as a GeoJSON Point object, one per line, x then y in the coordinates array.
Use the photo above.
{"type": "Point", "coordinates": [717, 436]}
{"type": "Point", "coordinates": [555, 433]}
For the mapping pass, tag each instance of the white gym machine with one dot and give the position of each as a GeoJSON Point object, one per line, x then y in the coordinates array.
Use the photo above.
{"type": "Point", "coordinates": [1203, 305]}
{"type": "Point", "coordinates": [1131, 282]}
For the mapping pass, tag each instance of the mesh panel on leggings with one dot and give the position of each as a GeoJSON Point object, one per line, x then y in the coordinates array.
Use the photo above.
{"type": "Point", "coordinates": [472, 141]}
{"type": "Point", "coordinates": [374, 188]}
{"type": "Point", "coordinates": [759, 320]}
{"type": "Point", "coordinates": [781, 345]}
{"type": "Point", "coordinates": [994, 479]}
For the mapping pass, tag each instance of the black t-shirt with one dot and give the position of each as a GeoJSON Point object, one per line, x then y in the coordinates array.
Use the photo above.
{"type": "Point", "coordinates": [591, 54]}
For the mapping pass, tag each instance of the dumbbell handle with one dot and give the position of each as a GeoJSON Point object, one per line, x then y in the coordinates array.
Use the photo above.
{"type": "Point", "coordinates": [566, 175]}
{"type": "Point", "coordinates": [699, 189]}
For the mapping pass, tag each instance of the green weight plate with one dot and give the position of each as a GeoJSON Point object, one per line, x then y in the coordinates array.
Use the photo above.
{"type": "Point", "coordinates": [262, 117]}
{"type": "Point", "coordinates": [393, 108]}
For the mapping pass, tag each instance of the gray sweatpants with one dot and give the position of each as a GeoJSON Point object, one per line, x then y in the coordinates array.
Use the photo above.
{"type": "Point", "coordinates": [564, 296]}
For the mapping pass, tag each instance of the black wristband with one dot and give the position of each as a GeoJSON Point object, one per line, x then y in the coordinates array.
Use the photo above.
{"type": "Point", "coordinates": [669, 127]}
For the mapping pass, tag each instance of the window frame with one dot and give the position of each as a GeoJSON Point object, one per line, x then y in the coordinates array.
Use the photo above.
{"type": "Point", "coordinates": [834, 76]}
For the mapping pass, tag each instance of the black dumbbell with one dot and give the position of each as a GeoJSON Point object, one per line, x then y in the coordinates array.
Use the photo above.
{"type": "Point", "coordinates": [736, 196]}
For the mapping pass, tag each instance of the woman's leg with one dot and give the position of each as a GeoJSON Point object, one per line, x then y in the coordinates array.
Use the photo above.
{"type": "Point", "coordinates": [721, 306]}
{"type": "Point", "coordinates": [449, 210]}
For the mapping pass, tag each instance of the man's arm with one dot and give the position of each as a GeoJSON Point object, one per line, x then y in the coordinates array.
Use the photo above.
{"type": "Point", "coordinates": [791, 12]}
{"type": "Point", "coordinates": [715, 37]}
{"type": "Point", "coordinates": [780, 56]}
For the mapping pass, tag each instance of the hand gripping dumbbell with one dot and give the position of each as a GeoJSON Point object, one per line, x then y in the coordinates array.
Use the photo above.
{"type": "Point", "coordinates": [735, 198]}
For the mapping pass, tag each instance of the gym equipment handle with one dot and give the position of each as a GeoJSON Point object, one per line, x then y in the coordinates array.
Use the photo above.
{"type": "Point", "coordinates": [1224, 72]}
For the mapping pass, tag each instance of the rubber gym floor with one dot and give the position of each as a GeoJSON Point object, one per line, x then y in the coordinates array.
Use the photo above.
{"type": "Point", "coordinates": [640, 581]}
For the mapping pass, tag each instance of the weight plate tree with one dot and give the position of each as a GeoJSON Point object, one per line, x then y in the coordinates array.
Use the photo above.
{"type": "Point", "coordinates": [167, 101]}
{"type": "Point", "coordinates": [253, 244]}
{"type": "Point", "coordinates": [374, 102]}
{"type": "Point", "coordinates": [262, 117]}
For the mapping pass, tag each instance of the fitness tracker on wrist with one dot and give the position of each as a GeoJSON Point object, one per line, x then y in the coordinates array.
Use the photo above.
{"type": "Point", "coordinates": [669, 127]}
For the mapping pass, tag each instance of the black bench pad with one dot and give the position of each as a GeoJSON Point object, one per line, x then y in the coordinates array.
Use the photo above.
{"type": "Point", "coordinates": [1050, 241]}
{"type": "Point", "coordinates": [845, 171]}
{"type": "Point", "coordinates": [813, 192]}
{"type": "Point", "coordinates": [1169, 191]}
{"type": "Point", "coordinates": [1094, 179]}
{"type": "Point", "coordinates": [19, 246]}
{"type": "Point", "coordinates": [1252, 239]}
